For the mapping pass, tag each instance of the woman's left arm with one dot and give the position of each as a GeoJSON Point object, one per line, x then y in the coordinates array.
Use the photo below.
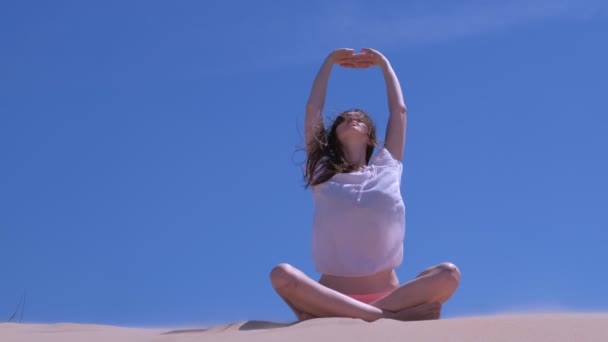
{"type": "Point", "coordinates": [397, 121]}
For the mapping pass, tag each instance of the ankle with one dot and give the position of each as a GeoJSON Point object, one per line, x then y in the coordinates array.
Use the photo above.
{"type": "Point", "coordinates": [388, 314]}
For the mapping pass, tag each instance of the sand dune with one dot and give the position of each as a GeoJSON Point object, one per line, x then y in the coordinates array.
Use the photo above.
{"type": "Point", "coordinates": [571, 327]}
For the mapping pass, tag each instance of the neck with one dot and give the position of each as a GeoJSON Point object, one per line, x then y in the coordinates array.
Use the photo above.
{"type": "Point", "coordinates": [355, 155]}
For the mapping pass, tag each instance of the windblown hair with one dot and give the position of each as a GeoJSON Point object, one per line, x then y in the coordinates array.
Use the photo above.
{"type": "Point", "coordinates": [325, 157]}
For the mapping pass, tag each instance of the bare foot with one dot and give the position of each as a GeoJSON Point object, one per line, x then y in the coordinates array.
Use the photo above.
{"type": "Point", "coordinates": [303, 316]}
{"type": "Point", "coordinates": [427, 311]}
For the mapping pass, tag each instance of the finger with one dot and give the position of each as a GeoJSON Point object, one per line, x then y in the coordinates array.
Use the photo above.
{"type": "Point", "coordinates": [368, 50]}
{"type": "Point", "coordinates": [361, 65]}
{"type": "Point", "coordinates": [347, 59]}
{"type": "Point", "coordinates": [346, 52]}
{"type": "Point", "coordinates": [370, 53]}
{"type": "Point", "coordinates": [364, 55]}
{"type": "Point", "coordinates": [365, 59]}
{"type": "Point", "coordinates": [339, 54]}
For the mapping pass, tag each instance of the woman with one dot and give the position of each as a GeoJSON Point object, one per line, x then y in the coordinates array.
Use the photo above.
{"type": "Point", "coordinates": [359, 220]}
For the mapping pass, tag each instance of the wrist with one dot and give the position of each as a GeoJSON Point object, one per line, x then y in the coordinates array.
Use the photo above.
{"type": "Point", "coordinates": [328, 61]}
{"type": "Point", "coordinates": [384, 63]}
{"type": "Point", "coordinates": [327, 66]}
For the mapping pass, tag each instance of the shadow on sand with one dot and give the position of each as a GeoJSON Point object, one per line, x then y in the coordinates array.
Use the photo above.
{"type": "Point", "coordinates": [249, 325]}
{"type": "Point", "coordinates": [257, 325]}
{"type": "Point", "coordinates": [184, 331]}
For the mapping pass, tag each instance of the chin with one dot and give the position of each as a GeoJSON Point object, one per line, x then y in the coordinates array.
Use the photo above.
{"type": "Point", "coordinates": [354, 133]}
{"type": "Point", "coordinates": [353, 140]}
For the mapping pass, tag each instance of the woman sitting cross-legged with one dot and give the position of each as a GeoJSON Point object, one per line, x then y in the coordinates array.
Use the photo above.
{"type": "Point", "coordinates": [359, 217]}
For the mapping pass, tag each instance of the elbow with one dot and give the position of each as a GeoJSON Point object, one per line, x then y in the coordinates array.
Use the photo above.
{"type": "Point", "coordinates": [400, 110]}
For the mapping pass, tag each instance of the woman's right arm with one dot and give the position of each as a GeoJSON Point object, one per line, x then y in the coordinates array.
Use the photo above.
{"type": "Point", "coordinates": [316, 99]}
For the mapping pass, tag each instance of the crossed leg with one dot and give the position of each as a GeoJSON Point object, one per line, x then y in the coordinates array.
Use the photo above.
{"type": "Point", "coordinates": [421, 298]}
{"type": "Point", "coordinates": [308, 298]}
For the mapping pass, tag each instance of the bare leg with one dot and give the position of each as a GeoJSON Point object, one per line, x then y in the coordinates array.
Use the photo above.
{"type": "Point", "coordinates": [301, 315]}
{"type": "Point", "coordinates": [312, 299]}
{"type": "Point", "coordinates": [421, 298]}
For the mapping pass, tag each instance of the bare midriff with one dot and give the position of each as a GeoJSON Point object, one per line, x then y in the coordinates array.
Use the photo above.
{"type": "Point", "coordinates": [377, 282]}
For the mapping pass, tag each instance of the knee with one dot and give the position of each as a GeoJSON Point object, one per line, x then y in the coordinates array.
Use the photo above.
{"type": "Point", "coordinates": [448, 280]}
{"type": "Point", "coordinates": [450, 271]}
{"type": "Point", "coordinates": [282, 275]}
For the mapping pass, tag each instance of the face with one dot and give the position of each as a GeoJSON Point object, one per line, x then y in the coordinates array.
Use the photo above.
{"type": "Point", "coordinates": [352, 127]}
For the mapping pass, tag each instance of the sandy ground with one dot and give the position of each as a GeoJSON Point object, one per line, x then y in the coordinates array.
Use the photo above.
{"type": "Point", "coordinates": [571, 327]}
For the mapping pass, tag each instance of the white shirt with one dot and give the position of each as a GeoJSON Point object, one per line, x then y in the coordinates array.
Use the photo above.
{"type": "Point", "coordinates": [359, 219]}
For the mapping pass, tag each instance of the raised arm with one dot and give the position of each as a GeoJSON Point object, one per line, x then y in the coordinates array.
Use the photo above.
{"type": "Point", "coordinates": [397, 121]}
{"type": "Point", "coordinates": [316, 100]}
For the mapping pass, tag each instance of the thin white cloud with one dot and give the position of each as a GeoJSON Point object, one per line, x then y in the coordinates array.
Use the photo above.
{"type": "Point", "coordinates": [430, 25]}
{"type": "Point", "coordinates": [362, 24]}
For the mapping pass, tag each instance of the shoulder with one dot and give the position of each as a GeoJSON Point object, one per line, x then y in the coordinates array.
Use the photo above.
{"type": "Point", "coordinates": [383, 157]}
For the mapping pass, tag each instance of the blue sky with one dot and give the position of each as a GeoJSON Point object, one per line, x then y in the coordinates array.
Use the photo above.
{"type": "Point", "coordinates": [150, 166]}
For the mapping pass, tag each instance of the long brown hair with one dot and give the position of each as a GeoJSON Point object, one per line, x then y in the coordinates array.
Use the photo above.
{"type": "Point", "coordinates": [325, 156]}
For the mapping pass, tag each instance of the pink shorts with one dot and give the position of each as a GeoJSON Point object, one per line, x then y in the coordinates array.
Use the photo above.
{"type": "Point", "coordinates": [369, 297]}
